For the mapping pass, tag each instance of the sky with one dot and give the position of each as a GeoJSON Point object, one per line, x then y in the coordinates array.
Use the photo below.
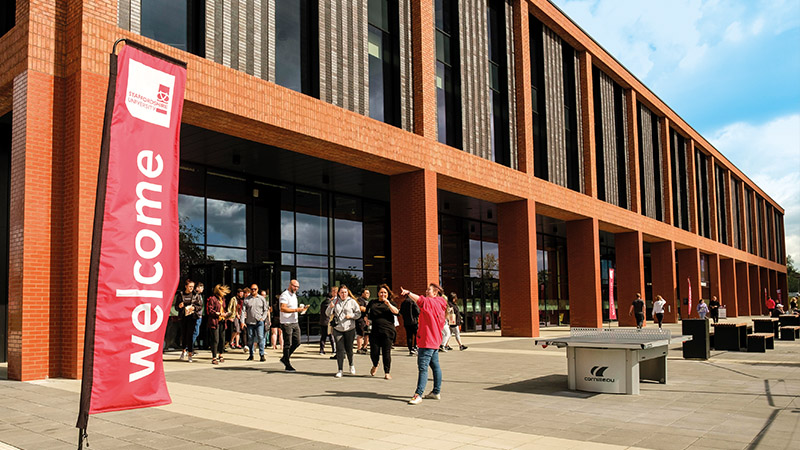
{"type": "Point", "coordinates": [729, 68]}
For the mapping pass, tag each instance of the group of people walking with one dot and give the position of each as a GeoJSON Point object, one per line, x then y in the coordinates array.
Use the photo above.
{"type": "Point", "coordinates": [430, 321]}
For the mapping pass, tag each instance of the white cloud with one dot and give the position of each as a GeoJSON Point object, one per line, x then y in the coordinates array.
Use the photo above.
{"type": "Point", "coordinates": [769, 154]}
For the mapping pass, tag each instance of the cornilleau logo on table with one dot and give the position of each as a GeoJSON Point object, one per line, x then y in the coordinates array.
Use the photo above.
{"type": "Point", "coordinates": [597, 372]}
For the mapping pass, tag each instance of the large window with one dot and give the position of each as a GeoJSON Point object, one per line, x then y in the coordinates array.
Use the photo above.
{"type": "Point", "coordinates": [722, 207]}
{"type": "Point", "coordinates": [8, 13]}
{"type": "Point", "coordinates": [571, 118]}
{"type": "Point", "coordinates": [701, 180]}
{"type": "Point", "coordinates": [498, 83]}
{"type": "Point", "coordinates": [551, 257]}
{"type": "Point", "coordinates": [448, 90]}
{"type": "Point", "coordinates": [538, 99]}
{"type": "Point", "coordinates": [297, 46]}
{"type": "Point", "coordinates": [179, 23]}
{"type": "Point", "coordinates": [384, 61]}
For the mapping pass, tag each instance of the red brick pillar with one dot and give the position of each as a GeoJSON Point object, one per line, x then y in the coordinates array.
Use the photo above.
{"type": "Point", "coordinates": [423, 52]}
{"type": "Point", "coordinates": [629, 274]}
{"type": "Point", "coordinates": [587, 117]}
{"type": "Point", "coordinates": [633, 152]}
{"type": "Point", "coordinates": [666, 171]}
{"type": "Point", "coordinates": [519, 293]}
{"type": "Point", "coordinates": [756, 294]}
{"type": "Point", "coordinates": [415, 233]}
{"type": "Point", "coordinates": [583, 269]}
{"type": "Point", "coordinates": [34, 227]}
{"type": "Point", "coordinates": [662, 267]}
{"type": "Point", "coordinates": [522, 62]}
{"type": "Point", "coordinates": [689, 268]}
{"type": "Point", "coordinates": [728, 292]}
{"type": "Point", "coordinates": [714, 277]}
{"type": "Point", "coordinates": [742, 288]}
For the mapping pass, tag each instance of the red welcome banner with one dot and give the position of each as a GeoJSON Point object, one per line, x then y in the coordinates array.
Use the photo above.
{"type": "Point", "coordinates": [689, 281]}
{"type": "Point", "coordinates": [135, 265]}
{"type": "Point", "coordinates": [612, 310]}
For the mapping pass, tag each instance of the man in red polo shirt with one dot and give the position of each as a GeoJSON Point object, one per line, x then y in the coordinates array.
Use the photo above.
{"type": "Point", "coordinates": [429, 336]}
{"type": "Point", "coordinates": [770, 307]}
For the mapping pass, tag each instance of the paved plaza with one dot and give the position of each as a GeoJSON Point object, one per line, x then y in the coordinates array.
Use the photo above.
{"type": "Point", "coordinates": [501, 393]}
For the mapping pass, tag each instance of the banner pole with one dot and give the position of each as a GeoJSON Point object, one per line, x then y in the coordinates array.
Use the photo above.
{"type": "Point", "coordinates": [97, 235]}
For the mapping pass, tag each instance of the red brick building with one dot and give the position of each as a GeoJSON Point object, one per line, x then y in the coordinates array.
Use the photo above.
{"type": "Point", "coordinates": [491, 145]}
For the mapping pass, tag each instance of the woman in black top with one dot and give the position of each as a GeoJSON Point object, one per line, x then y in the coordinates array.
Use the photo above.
{"type": "Point", "coordinates": [381, 314]}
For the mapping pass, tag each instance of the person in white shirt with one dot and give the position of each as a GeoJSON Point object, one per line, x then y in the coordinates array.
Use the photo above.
{"type": "Point", "coordinates": [658, 310]}
{"type": "Point", "coordinates": [289, 326]}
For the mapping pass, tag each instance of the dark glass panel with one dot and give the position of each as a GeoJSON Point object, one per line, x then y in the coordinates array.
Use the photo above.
{"type": "Point", "coordinates": [191, 210]}
{"type": "Point", "coordinates": [288, 51]}
{"type": "Point", "coordinates": [226, 223]}
{"type": "Point", "coordinates": [165, 21]}
{"type": "Point", "coordinates": [224, 254]}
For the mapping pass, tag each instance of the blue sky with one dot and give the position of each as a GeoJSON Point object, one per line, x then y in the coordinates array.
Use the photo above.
{"type": "Point", "coordinates": [729, 68]}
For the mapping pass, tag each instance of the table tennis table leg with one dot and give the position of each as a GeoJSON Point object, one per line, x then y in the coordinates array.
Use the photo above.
{"type": "Point", "coordinates": [631, 372]}
{"type": "Point", "coordinates": [571, 369]}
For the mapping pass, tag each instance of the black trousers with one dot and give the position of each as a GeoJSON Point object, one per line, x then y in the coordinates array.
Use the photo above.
{"type": "Point", "coordinates": [188, 324]}
{"type": "Point", "coordinates": [291, 340]}
{"type": "Point", "coordinates": [381, 344]}
{"type": "Point", "coordinates": [323, 336]}
{"type": "Point", "coordinates": [411, 335]}
{"type": "Point", "coordinates": [344, 346]}
{"type": "Point", "coordinates": [216, 337]}
{"type": "Point", "coordinates": [659, 319]}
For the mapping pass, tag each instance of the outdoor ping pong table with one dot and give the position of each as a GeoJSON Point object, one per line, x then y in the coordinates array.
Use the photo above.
{"type": "Point", "coordinates": [614, 360]}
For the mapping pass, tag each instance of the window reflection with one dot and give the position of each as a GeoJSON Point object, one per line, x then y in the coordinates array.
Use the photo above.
{"type": "Point", "coordinates": [224, 254]}
{"type": "Point", "coordinates": [287, 45]}
{"type": "Point", "coordinates": [313, 284]}
{"type": "Point", "coordinates": [312, 233]}
{"type": "Point", "coordinates": [349, 240]}
{"type": "Point", "coordinates": [227, 222]}
{"type": "Point", "coordinates": [287, 231]}
{"type": "Point", "coordinates": [165, 21]}
{"type": "Point", "coordinates": [191, 211]}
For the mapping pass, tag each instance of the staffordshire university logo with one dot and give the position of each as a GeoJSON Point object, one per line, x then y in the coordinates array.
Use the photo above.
{"type": "Point", "coordinates": [597, 375]}
{"type": "Point", "coordinates": [149, 94]}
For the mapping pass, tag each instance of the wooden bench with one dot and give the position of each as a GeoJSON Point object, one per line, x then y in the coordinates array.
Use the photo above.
{"type": "Point", "coordinates": [730, 336]}
{"type": "Point", "coordinates": [760, 342]}
{"type": "Point", "coordinates": [790, 333]}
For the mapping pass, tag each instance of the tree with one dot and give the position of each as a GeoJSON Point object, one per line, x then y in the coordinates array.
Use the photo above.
{"type": "Point", "coordinates": [189, 252]}
{"type": "Point", "coordinates": [488, 266]}
{"type": "Point", "coordinates": [792, 275]}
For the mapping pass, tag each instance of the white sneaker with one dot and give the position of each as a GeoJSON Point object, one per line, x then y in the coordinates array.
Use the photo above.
{"type": "Point", "coordinates": [190, 358]}
{"type": "Point", "coordinates": [183, 355]}
{"type": "Point", "coordinates": [245, 349]}
{"type": "Point", "coordinates": [415, 400]}
{"type": "Point", "coordinates": [338, 374]}
{"type": "Point", "coordinates": [352, 370]}
{"type": "Point", "coordinates": [433, 396]}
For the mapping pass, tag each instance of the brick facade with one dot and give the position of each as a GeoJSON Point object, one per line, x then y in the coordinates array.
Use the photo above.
{"type": "Point", "coordinates": [53, 79]}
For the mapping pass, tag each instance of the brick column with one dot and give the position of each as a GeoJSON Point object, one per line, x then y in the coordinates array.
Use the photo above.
{"type": "Point", "coordinates": [519, 299]}
{"type": "Point", "coordinates": [728, 291]}
{"type": "Point", "coordinates": [33, 227]}
{"type": "Point", "coordinates": [630, 273]}
{"type": "Point", "coordinates": [714, 277]}
{"type": "Point", "coordinates": [522, 63]}
{"type": "Point", "coordinates": [756, 294]}
{"type": "Point", "coordinates": [728, 210]}
{"type": "Point", "coordinates": [744, 232]}
{"type": "Point", "coordinates": [689, 268]}
{"type": "Point", "coordinates": [693, 226]}
{"type": "Point", "coordinates": [587, 116]}
{"type": "Point", "coordinates": [662, 267]}
{"type": "Point", "coordinates": [415, 232]}
{"type": "Point", "coordinates": [423, 51]}
{"type": "Point", "coordinates": [742, 288]}
{"type": "Point", "coordinates": [666, 170]}
{"type": "Point", "coordinates": [583, 263]}
{"type": "Point", "coordinates": [633, 152]}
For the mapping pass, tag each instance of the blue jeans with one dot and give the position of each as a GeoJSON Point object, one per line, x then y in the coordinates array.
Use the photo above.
{"type": "Point", "coordinates": [251, 332]}
{"type": "Point", "coordinates": [196, 331]}
{"type": "Point", "coordinates": [428, 357]}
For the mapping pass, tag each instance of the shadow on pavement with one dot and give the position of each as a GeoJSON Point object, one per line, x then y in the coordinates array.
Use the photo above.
{"type": "Point", "coordinates": [546, 385]}
{"type": "Point", "coordinates": [360, 394]}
